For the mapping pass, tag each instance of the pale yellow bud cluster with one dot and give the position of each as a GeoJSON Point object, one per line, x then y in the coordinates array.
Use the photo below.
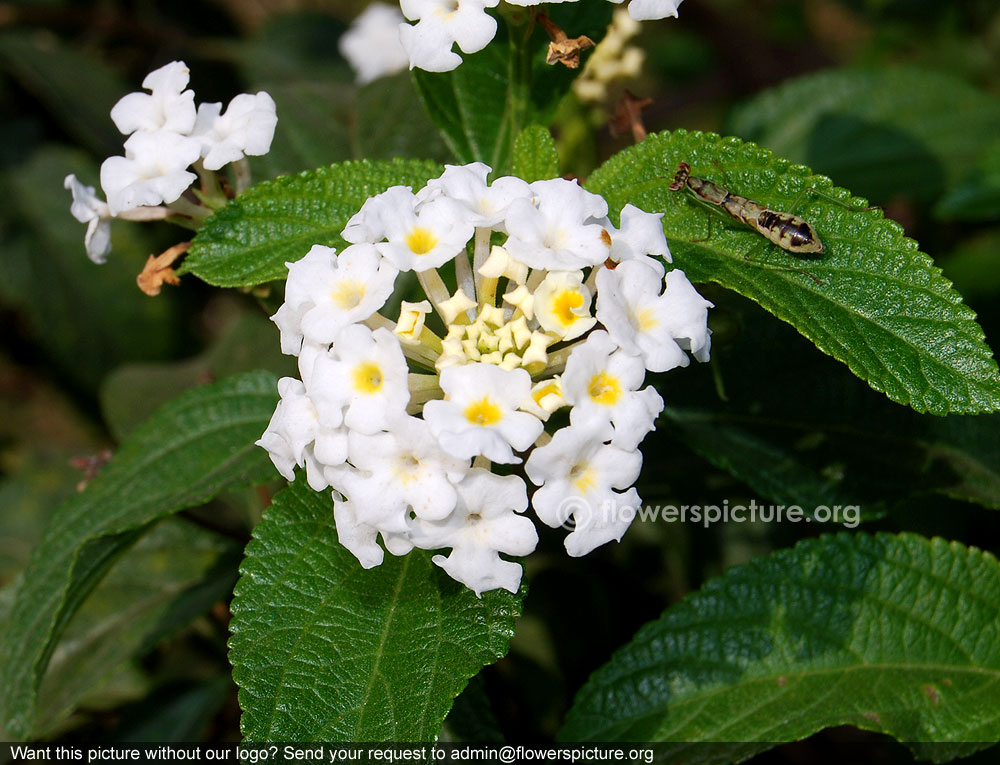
{"type": "Point", "coordinates": [493, 338]}
{"type": "Point", "coordinates": [613, 60]}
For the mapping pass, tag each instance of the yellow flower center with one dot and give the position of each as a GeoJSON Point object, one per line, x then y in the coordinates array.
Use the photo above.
{"type": "Point", "coordinates": [564, 306]}
{"type": "Point", "coordinates": [367, 378]}
{"type": "Point", "coordinates": [406, 468]}
{"type": "Point", "coordinates": [421, 240]}
{"type": "Point", "coordinates": [604, 389]}
{"type": "Point", "coordinates": [347, 294]}
{"type": "Point", "coordinates": [583, 477]}
{"type": "Point", "coordinates": [645, 320]}
{"type": "Point", "coordinates": [483, 412]}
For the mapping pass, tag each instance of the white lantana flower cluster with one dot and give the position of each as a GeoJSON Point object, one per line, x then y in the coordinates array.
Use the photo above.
{"type": "Point", "coordinates": [167, 134]}
{"type": "Point", "coordinates": [405, 423]}
{"type": "Point", "coordinates": [372, 44]}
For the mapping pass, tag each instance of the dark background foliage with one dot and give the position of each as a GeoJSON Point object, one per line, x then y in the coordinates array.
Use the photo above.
{"type": "Point", "coordinates": [86, 357]}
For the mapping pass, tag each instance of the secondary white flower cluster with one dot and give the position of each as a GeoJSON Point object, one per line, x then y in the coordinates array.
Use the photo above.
{"type": "Point", "coordinates": [405, 422]}
{"type": "Point", "coordinates": [166, 135]}
{"type": "Point", "coordinates": [372, 44]}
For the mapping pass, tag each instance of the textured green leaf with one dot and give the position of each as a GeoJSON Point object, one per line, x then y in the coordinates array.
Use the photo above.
{"type": "Point", "coordinates": [194, 447]}
{"type": "Point", "coordinates": [324, 650]}
{"type": "Point", "coordinates": [897, 634]}
{"type": "Point", "coordinates": [880, 131]}
{"type": "Point", "coordinates": [249, 241]}
{"type": "Point", "coordinates": [170, 576]}
{"type": "Point", "coordinates": [872, 301]}
{"type": "Point", "coordinates": [535, 155]}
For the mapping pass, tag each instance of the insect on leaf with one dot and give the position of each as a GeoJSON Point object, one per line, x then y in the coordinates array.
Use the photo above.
{"type": "Point", "coordinates": [872, 300]}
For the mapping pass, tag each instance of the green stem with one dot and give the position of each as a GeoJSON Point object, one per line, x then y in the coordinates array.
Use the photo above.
{"type": "Point", "coordinates": [185, 207]}
{"type": "Point", "coordinates": [211, 193]}
{"type": "Point", "coordinates": [519, 77]}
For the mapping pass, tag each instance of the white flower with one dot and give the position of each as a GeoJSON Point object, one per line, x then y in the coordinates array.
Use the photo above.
{"type": "Point", "coordinates": [168, 107]}
{"type": "Point", "coordinates": [403, 468]}
{"type": "Point", "coordinates": [598, 524]}
{"type": "Point", "coordinates": [441, 23]}
{"type": "Point", "coordinates": [486, 522]}
{"type": "Point", "coordinates": [152, 171]}
{"type": "Point", "coordinates": [479, 415]}
{"type": "Point", "coordinates": [562, 231]}
{"type": "Point", "coordinates": [246, 129]}
{"type": "Point", "coordinates": [487, 204]}
{"type": "Point", "coordinates": [645, 10]}
{"type": "Point", "coordinates": [658, 327]}
{"type": "Point", "coordinates": [359, 537]}
{"type": "Point", "coordinates": [517, 345]}
{"type": "Point", "coordinates": [577, 473]}
{"type": "Point", "coordinates": [87, 208]}
{"type": "Point", "coordinates": [601, 383]}
{"type": "Point", "coordinates": [355, 535]}
{"type": "Point", "coordinates": [371, 45]}
{"type": "Point", "coordinates": [294, 437]}
{"type": "Point", "coordinates": [562, 304]}
{"type": "Point", "coordinates": [426, 237]}
{"type": "Point", "coordinates": [640, 236]}
{"type": "Point", "coordinates": [326, 292]}
{"type": "Point", "coordinates": [364, 376]}
{"type": "Point", "coordinates": [372, 221]}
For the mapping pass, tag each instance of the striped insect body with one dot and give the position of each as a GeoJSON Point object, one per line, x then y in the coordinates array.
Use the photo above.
{"type": "Point", "coordinates": [789, 232]}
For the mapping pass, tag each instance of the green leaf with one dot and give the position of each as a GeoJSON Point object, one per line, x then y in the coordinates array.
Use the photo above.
{"type": "Point", "coordinates": [293, 56]}
{"type": "Point", "coordinates": [46, 275]}
{"type": "Point", "coordinates": [820, 436]}
{"type": "Point", "coordinates": [779, 471]}
{"type": "Point", "coordinates": [469, 105]}
{"type": "Point", "coordinates": [977, 195]}
{"type": "Point", "coordinates": [176, 713]}
{"type": "Point", "coordinates": [880, 131]}
{"type": "Point", "coordinates": [132, 392]}
{"type": "Point", "coordinates": [971, 266]}
{"type": "Point", "coordinates": [171, 575]}
{"type": "Point", "coordinates": [249, 240]}
{"type": "Point", "coordinates": [53, 73]}
{"type": "Point", "coordinates": [897, 634]}
{"type": "Point", "coordinates": [872, 301]}
{"type": "Point", "coordinates": [324, 650]}
{"type": "Point", "coordinates": [535, 155]}
{"type": "Point", "coordinates": [481, 106]}
{"type": "Point", "coordinates": [194, 447]}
